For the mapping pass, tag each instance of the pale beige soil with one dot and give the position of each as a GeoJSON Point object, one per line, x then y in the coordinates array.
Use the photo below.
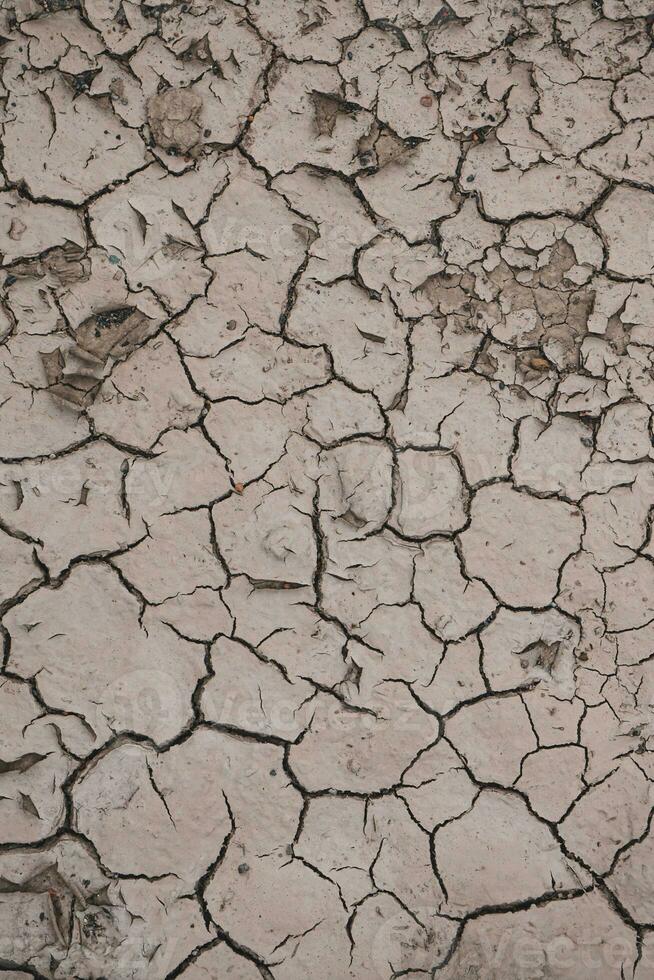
{"type": "Point", "coordinates": [326, 490]}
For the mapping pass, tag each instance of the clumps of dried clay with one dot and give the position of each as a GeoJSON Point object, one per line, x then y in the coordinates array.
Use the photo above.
{"type": "Point", "coordinates": [174, 119]}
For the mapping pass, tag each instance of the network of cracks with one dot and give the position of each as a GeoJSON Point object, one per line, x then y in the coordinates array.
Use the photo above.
{"type": "Point", "coordinates": [326, 482]}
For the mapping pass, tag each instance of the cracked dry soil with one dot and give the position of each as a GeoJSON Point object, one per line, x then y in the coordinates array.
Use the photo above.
{"type": "Point", "coordinates": [326, 490]}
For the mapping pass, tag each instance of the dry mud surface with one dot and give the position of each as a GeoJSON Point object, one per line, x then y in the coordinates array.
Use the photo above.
{"type": "Point", "coordinates": [326, 490]}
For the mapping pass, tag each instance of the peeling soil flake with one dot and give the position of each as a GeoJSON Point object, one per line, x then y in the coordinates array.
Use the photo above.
{"type": "Point", "coordinates": [327, 490]}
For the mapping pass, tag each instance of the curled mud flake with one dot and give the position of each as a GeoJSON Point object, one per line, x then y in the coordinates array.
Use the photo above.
{"type": "Point", "coordinates": [112, 333]}
{"type": "Point", "coordinates": [53, 365]}
{"type": "Point", "coordinates": [325, 108]}
{"type": "Point", "coordinates": [77, 389]}
{"type": "Point", "coordinates": [17, 229]}
{"type": "Point", "coordinates": [174, 120]}
{"type": "Point", "coordinates": [74, 388]}
{"type": "Point", "coordinates": [64, 265]}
